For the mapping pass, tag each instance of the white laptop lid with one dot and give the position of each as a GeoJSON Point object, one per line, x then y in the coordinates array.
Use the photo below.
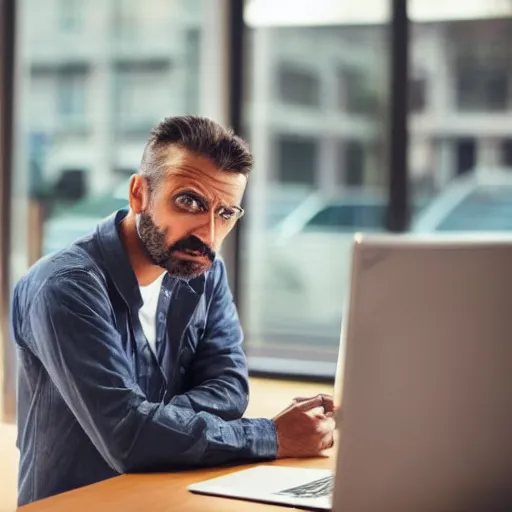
{"type": "Point", "coordinates": [427, 380]}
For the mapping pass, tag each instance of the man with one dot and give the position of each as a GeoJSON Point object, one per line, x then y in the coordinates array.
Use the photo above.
{"type": "Point", "coordinates": [129, 343]}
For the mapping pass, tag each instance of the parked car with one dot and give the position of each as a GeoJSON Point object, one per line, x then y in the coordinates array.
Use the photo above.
{"type": "Point", "coordinates": [305, 265]}
{"type": "Point", "coordinates": [478, 202]}
{"type": "Point", "coordinates": [306, 273]}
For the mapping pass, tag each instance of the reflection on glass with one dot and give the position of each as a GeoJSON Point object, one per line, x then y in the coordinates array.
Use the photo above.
{"type": "Point", "coordinates": [460, 155]}
{"type": "Point", "coordinates": [315, 120]}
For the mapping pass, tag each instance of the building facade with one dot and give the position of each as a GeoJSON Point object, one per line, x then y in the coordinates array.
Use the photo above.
{"type": "Point", "coordinates": [102, 73]}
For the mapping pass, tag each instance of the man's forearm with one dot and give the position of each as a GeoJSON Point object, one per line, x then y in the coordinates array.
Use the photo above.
{"type": "Point", "coordinates": [211, 441]}
{"type": "Point", "coordinates": [224, 397]}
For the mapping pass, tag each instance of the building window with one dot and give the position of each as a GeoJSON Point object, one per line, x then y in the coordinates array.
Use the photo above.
{"type": "Point", "coordinates": [71, 15]}
{"type": "Point", "coordinates": [483, 89]}
{"type": "Point", "coordinates": [297, 157]}
{"type": "Point", "coordinates": [352, 161]}
{"type": "Point", "coordinates": [417, 94]}
{"type": "Point", "coordinates": [481, 64]}
{"type": "Point", "coordinates": [298, 86]}
{"type": "Point", "coordinates": [126, 18]}
{"type": "Point", "coordinates": [506, 153]}
{"type": "Point", "coordinates": [71, 97]}
{"type": "Point", "coordinates": [355, 96]}
{"type": "Point", "coordinates": [142, 95]}
{"type": "Point", "coordinates": [466, 155]}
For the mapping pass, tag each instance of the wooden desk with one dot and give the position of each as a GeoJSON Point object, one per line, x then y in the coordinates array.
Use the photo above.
{"type": "Point", "coordinates": [167, 492]}
{"type": "Point", "coordinates": [159, 493]}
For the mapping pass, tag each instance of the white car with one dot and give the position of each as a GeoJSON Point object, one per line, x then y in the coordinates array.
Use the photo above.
{"type": "Point", "coordinates": [307, 258]}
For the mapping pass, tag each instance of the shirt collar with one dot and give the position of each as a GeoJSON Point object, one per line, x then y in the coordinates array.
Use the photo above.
{"type": "Point", "coordinates": [119, 267]}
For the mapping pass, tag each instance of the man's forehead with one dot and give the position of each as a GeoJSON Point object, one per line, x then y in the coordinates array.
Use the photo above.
{"type": "Point", "coordinates": [173, 156]}
{"type": "Point", "coordinates": [184, 165]}
{"type": "Point", "coordinates": [183, 162]}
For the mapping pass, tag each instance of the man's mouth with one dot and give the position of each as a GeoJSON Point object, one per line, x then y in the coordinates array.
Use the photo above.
{"type": "Point", "coordinates": [189, 252]}
{"type": "Point", "coordinates": [194, 248]}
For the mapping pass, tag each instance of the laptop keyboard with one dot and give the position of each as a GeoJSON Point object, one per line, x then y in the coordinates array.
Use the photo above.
{"type": "Point", "coordinates": [315, 489]}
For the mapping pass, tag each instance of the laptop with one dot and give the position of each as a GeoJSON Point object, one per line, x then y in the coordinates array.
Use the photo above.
{"type": "Point", "coordinates": [425, 379]}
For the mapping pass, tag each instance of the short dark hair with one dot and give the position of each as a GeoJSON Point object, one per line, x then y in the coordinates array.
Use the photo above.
{"type": "Point", "coordinates": [199, 135]}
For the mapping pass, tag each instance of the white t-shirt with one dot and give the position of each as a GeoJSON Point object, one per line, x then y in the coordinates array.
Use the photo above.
{"type": "Point", "coordinates": [147, 313]}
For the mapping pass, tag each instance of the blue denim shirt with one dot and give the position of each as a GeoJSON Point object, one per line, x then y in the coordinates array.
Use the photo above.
{"type": "Point", "coordinates": [93, 399]}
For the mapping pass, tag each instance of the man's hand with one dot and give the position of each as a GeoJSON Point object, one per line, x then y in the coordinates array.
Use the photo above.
{"type": "Point", "coordinates": [306, 428]}
{"type": "Point", "coordinates": [327, 403]}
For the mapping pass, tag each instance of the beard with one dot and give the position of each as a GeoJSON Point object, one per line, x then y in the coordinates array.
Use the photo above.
{"type": "Point", "coordinates": [153, 241]}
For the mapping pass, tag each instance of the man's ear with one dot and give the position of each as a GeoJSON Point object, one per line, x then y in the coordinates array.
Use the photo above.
{"type": "Point", "coordinates": [138, 193]}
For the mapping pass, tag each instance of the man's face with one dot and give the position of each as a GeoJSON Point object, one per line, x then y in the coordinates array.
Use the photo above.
{"type": "Point", "coordinates": [183, 221]}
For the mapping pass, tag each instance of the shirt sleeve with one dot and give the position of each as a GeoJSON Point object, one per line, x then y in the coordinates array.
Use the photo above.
{"type": "Point", "coordinates": [72, 332]}
{"type": "Point", "coordinates": [218, 376]}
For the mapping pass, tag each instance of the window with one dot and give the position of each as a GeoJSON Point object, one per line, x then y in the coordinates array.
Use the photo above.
{"type": "Point", "coordinates": [468, 63]}
{"type": "Point", "coordinates": [298, 159]}
{"type": "Point", "coordinates": [71, 97]}
{"type": "Point", "coordinates": [137, 85]}
{"type": "Point", "coordinates": [71, 15]}
{"type": "Point", "coordinates": [466, 155]}
{"type": "Point", "coordinates": [43, 100]}
{"type": "Point", "coordinates": [298, 86]}
{"type": "Point", "coordinates": [80, 104]}
{"type": "Point", "coordinates": [301, 204]}
{"type": "Point", "coordinates": [480, 87]}
{"type": "Point", "coordinates": [126, 18]}
{"type": "Point", "coordinates": [355, 95]}
{"type": "Point", "coordinates": [417, 94]}
{"type": "Point", "coordinates": [506, 152]}
{"type": "Point", "coordinates": [315, 115]}
{"type": "Point", "coordinates": [353, 157]}
{"type": "Point", "coordinates": [482, 65]}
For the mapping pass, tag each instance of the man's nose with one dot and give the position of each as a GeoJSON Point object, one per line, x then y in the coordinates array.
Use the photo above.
{"type": "Point", "coordinates": [206, 232]}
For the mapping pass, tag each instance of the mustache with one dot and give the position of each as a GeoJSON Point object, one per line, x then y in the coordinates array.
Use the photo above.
{"type": "Point", "coordinates": [192, 243]}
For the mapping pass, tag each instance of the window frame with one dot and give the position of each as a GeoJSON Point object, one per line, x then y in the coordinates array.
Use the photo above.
{"type": "Point", "coordinates": [398, 208]}
{"type": "Point", "coordinates": [7, 98]}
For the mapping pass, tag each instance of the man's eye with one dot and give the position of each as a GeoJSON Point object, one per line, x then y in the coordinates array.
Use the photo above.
{"type": "Point", "coordinates": [227, 214]}
{"type": "Point", "coordinates": [189, 203]}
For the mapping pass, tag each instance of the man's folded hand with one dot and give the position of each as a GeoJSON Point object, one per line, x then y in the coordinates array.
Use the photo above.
{"type": "Point", "coordinates": [306, 427]}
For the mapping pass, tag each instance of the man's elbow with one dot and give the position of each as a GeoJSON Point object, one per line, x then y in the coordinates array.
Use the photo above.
{"type": "Point", "coordinates": [238, 400]}
{"type": "Point", "coordinates": [243, 403]}
{"type": "Point", "coordinates": [125, 442]}
{"type": "Point", "coordinates": [131, 465]}
{"type": "Point", "coordinates": [228, 400]}
{"type": "Point", "coordinates": [121, 457]}
{"type": "Point", "coordinates": [132, 462]}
